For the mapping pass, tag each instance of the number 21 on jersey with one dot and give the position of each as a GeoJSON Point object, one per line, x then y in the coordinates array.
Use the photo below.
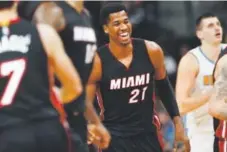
{"type": "Point", "coordinates": [14, 69]}
{"type": "Point", "coordinates": [136, 93]}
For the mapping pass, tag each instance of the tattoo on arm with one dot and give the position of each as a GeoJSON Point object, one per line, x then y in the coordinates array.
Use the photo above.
{"type": "Point", "coordinates": [221, 85]}
{"type": "Point", "coordinates": [218, 100]}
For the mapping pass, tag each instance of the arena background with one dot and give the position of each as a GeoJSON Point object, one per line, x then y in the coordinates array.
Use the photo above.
{"type": "Point", "coordinates": [171, 25]}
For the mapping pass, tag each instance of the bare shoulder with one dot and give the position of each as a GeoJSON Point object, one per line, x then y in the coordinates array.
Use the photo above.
{"type": "Point", "coordinates": [221, 68]}
{"type": "Point", "coordinates": [153, 48]}
{"type": "Point", "coordinates": [48, 6]}
{"type": "Point", "coordinates": [96, 62]}
{"type": "Point", "coordinates": [222, 61]}
{"type": "Point", "coordinates": [155, 53]}
{"type": "Point", "coordinates": [50, 13]}
{"type": "Point", "coordinates": [96, 73]}
{"type": "Point", "coordinates": [189, 61]}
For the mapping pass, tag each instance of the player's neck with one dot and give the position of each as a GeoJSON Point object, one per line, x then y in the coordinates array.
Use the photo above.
{"type": "Point", "coordinates": [120, 51]}
{"type": "Point", "coordinates": [7, 15]}
{"type": "Point", "coordinates": [212, 51]}
{"type": "Point", "coordinates": [78, 5]}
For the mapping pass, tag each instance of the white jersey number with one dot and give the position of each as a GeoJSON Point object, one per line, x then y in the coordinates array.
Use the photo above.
{"type": "Point", "coordinates": [14, 70]}
{"type": "Point", "coordinates": [90, 52]}
{"type": "Point", "coordinates": [135, 93]}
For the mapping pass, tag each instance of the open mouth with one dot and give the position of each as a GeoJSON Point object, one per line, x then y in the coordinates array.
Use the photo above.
{"type": "Point", "coordinates": [218, 34]}
{"type": "Point", "coordinates": [124, 35]}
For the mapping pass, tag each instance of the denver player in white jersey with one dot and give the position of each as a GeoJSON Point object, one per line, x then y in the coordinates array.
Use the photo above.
{"type": "Point", "coordinates": [194, 83]}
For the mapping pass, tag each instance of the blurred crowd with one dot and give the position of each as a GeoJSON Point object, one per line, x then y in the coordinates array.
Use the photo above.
{"type": "Point", "coordinates": [171, 25]}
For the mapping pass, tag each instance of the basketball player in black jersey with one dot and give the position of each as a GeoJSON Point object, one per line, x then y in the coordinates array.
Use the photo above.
{"type": "Point", "coordinates": [29, 55]}
{"type": "Point", "coordinates": [73, 23]}
{"type": "Point", "coordinates": [125, 71]}
{"type": "Point", "coordinates": [218, 103]}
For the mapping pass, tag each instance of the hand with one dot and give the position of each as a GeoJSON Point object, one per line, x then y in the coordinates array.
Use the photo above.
{"type": "Point", "coordinates": [98, 135]}
{"type": "Point", "coordinates": [181, 137]}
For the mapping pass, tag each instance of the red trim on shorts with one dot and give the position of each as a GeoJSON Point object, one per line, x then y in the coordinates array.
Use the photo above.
{"type": "Point", "coordinates": [59, 107]}
{"type": "Point", "coordinates": [100, 103]}
{"type": "Point", "coordinates": [221, 146]}
{"type": "Point", "coordinates": [53, 97]}
{"type": "Point", "coordinates": [65, 125]}
{"type": "Point", "coordinates": [221, 130]}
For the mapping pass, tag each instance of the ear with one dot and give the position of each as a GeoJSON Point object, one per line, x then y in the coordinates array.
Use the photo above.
{"type": "Point", "coordinates": [199, 34]}
{"type": "Point", "coordinates": [105, 28]}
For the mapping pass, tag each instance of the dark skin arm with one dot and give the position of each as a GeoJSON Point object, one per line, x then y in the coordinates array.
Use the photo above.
{"type": "Point", "coordinates": [156, 56]}
{"type": "Point", "coordinates": [95, 76]}
{"type": "Point", "coordinates": [60, 63]}
{"type": "Point", "coordinates": [50, 13]}
{"type": "Point", "coordinates": [96, 130]}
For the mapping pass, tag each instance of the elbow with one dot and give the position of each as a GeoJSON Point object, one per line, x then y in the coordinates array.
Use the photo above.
{"type": "Point", "coordinates": [77, 90]}
{"type": "Point", "coordinates": [216, 112]}
{"type": "Point", "coordinates": [71, 93]}
{"type": "Point", "coordinates": [181, 107]}
{"type": "Point", "coordinates": [182, 110]}
{"type": "Point", "coordinates": [212, 112]}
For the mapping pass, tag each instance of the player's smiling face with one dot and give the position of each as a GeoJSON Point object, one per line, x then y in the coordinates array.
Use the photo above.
{"type": "Point", "coordinates": [119, 27]}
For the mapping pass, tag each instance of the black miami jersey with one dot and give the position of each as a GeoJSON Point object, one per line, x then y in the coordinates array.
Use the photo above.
{"type": "Point", "coordinates": [126, 94]}
{"type": "Point", "coordinates": [24, 81]}
{"type": "Point", "coordinates": [78, 37]}
{"type": "Point", "coordinates": [79, 40]}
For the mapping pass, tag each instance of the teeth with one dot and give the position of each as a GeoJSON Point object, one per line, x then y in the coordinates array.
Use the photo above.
{"type": "Point", "coordinates": [124, 34]}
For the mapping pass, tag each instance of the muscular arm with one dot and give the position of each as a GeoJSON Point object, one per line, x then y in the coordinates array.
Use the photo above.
{"type": "Point", "coordinates": [95, 76]}
{"type": "Point", "coordinates": [60, 63]}
{"type": "Point", "coordinates": [186, 78]}
{"type": "Point", "coordinates": [95, 126]}
{"type": "Point", "coordinates": [218, 100]}
{"type": "Point", "coordinates": [50, 13]}
{"type": "Point", "coordinates": [163, 85]}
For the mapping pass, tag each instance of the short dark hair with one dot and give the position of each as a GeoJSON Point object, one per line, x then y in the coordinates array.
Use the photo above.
{"type": "Point", "coordinates": [6, 4]}
{"type": "Point", "coordinates": [203, 16]}
{"type": "Point", "coordinates": [111, 7]}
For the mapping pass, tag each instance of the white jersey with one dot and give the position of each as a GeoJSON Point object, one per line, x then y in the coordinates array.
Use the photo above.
{"type": "Point", "coordinates": [199, 122]}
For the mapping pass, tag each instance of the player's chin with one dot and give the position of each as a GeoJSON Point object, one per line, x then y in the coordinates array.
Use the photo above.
{"type": "Point", "coordinates": [125, 42]}
{"type": "Point", "coordinates": [218, 39]}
